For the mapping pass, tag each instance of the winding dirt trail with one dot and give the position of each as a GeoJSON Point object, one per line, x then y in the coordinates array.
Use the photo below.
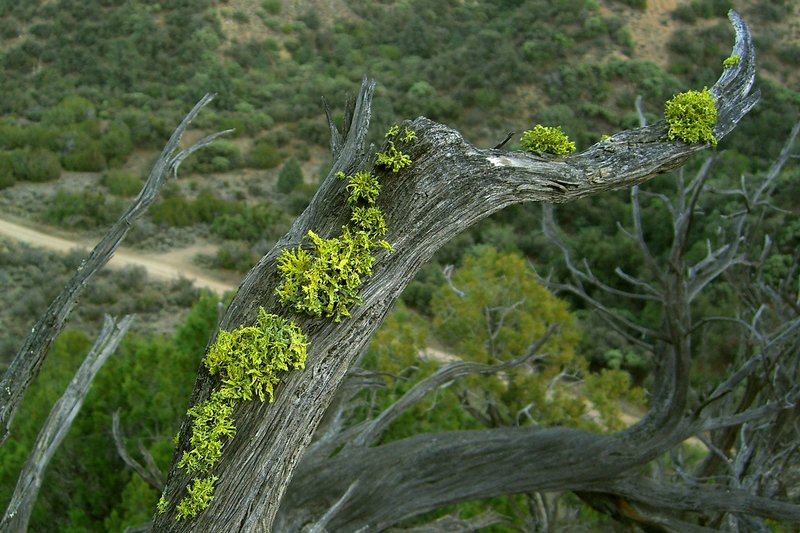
{"type": "Point", "coordinates": [164, 267]}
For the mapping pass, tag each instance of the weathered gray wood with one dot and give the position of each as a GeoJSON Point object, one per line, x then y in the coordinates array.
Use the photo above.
{"type": "Point", "coordinates": [404, 478]}
{"type": "Point", "coordinates": [55, 429]}
{"type": "Point", "coordinates": [450, 186]}
{"type": "Point", "coordinates": [26, 364]}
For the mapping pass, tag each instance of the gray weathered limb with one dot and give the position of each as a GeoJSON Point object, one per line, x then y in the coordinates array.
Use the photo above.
{"type": "Point", "coordinates": [400, 479]}
{"type": "Point", "coordinates": [57, 425]}
{"type": "Point", "coordinates": [456, 524]}
{"type": "Point", "coordinates": [450, 186]}
{"type": "Point", "coordinates": [26, 364]}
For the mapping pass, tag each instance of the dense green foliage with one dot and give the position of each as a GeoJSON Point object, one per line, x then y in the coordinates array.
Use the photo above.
{"type": "Point", "coordinates": [494, 312]}
{"type": "Point", "coordinates": [290, 177]}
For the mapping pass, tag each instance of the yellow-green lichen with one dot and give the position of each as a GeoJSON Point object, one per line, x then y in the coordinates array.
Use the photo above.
{"type": "Point", "coordinates": [211, 428]}
{"type": "Point", "coordinates": [200, 494]}
{"type": "Point", "coordinates": [162, 505]}
{"type": "Point", "coordinates": [326, 282]}
{"type": "Point", "coordinates": [362, 186]}
{"type": "Point", "coordinates": [248, 361]}
{"type": "Point", "coordinates": [370, 219]}
{"type": "Point", "coordinates": [731, 61]}
{"type": "Point", "coordinates": [392, 158]}
{"type": "Point", "coordinates": [409, 135]}
{"type": "Point", "coordinates": [690, 116]}
{"type": "Point", "coordinates": [323, 278]}
{"type": "Point", "coordinates": [249, 358]}
{"type": "Point", "coordinates": [547, 139]}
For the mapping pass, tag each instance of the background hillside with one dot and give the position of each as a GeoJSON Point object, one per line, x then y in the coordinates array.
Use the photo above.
{"type": "Point", "coordinates": [91, 89]}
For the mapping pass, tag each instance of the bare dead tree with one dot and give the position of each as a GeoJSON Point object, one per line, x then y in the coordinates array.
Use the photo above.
{"type": "Point", "coordinates": [450, 186]}
{"type": "Point", "coordinates": [57, 425]}
{"type": "Point", "coordinates": [26, 364]}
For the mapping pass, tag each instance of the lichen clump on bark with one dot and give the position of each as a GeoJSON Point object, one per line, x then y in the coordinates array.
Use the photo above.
{"type": "Point", "coordinates": [547, 139]}
{"type": "Point", "coordinates": [324, 280]}
{"type": "Point", "coordinates": [730, 62]}
{"type": "Point", "coordinates": [248, 361]}
{"type": "Point", "coordinates": [690, 116]}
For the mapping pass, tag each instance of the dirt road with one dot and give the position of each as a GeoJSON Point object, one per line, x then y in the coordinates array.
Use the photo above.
{"type": "Point", "coordinates": [164, 267]}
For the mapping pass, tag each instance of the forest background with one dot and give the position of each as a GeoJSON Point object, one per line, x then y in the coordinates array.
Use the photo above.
{"type": "Point", "coordinates": [91, 89]}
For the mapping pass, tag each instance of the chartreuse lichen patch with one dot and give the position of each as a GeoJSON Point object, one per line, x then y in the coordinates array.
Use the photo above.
{"type": "Point", "coordinates": [732, 61]}
{"type": "Point", "coordinates": [690, 116]}
{"type": "Point", "coordinates": [248, 361]}
{"type": "Point", "coordinates": [200, 494]}
{"type": "Point", "coordinates": [323, 278]}
{"type": "Point", "coordinates": [392, 157]}
{"type": "Point", "coordinates": [547, 139]}
{"type": "Point", "coordinates": [325, 282]}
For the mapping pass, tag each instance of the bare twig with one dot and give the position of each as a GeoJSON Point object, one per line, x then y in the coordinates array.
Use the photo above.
{"type": "Point", "coordinates": [152, 476]}
{"type": "Point", "coordinates": [319, 527]}
{"type": "Point", "coordinates": [446, 374]}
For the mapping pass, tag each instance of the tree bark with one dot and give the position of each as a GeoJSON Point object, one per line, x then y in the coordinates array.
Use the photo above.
{"type": "Point", "coordinates": [450, 185]}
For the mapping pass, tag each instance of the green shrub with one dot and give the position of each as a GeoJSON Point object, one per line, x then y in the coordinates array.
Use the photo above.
{"type": "Point", "coordinates": [638, 4]}
{"type": "Point", "coordinates": [262, 221]}
{"type": "Point", "coordinates": [219, 156]}
{"type": "Point", "coordinates": [120, 183]}
{"type": "Point", "coordinates": [240, 17]}
{"type": "Point", "coordinates": [175, 211]}
{"type": "Point", "coordinates": [9, 28]}
{"type": "Point", "coordinates": [235, 256]}
{"type": "Point", "coordinates": [7, 179]}
{"type": "Point", "coordinates": [146, 129]}
{"type": "Point", "coordinates": [71, 110]}
{"type": "Point", "coordinates": [208, 207]}
{"type": "Point", "coordinates": [264, 155]}
{"type": "Point", "coordinates": [116, 143]}
{"type": "Point", "coordinates": [290, 177]}
{"type": "Point", "coordinates": [36, 165]}
{"type": "Point", "coordinates": [178, 211]}
{"type": "Point", "coordinates": [83, 210]}
{"type": "Point", "coordinates": [273, 7]}
{"type": "Point", "coordinates": [86, 156]}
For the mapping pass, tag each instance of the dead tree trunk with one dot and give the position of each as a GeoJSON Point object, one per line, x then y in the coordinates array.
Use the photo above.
{"type": "Point", "coordinates": [450, 185]}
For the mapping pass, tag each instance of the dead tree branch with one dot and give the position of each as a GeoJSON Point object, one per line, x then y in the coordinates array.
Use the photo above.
{"type": "Point", "coordinates": [150, 473]}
